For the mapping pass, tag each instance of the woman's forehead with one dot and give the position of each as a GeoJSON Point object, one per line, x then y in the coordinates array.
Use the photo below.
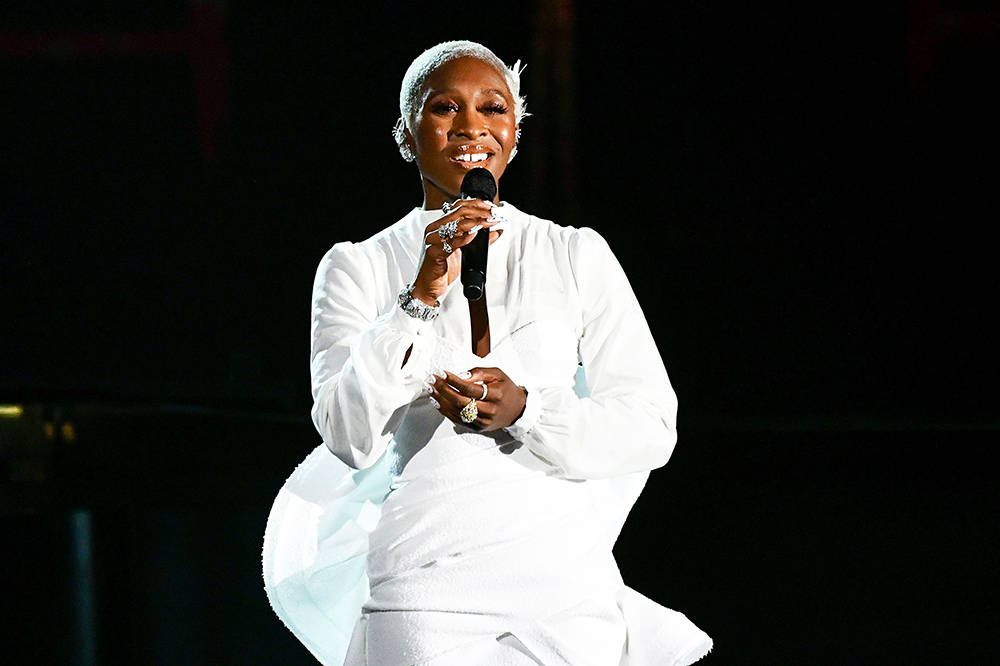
{"type": "Point", "coordinates": [467, 73]}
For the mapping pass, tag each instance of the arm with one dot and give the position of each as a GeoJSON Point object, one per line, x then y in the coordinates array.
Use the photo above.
{"type": "Point", "coordinates": [368, 366]}
{"type": "Point", "coordinates": [628, 422]}
{"type": "Point", "coordinates": [360, 384]}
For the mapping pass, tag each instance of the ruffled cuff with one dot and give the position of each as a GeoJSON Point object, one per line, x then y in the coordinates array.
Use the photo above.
{"type": "Point", "coordinates": [420, 335]}
{"type": "Point", "coordinates": [529, 417]}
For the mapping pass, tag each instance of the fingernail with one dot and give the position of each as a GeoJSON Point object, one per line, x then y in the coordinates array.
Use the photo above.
{"type": "Point", "coordinates": [430, 380]}
{"type": "Point", "coordinates": [427, 390]}
{"type": "Point", "coordinates": [465, 375]}
{"type": "Point", "coordinates": [476, 228]}
{"type": "Point", "coordinates": [437, 405]}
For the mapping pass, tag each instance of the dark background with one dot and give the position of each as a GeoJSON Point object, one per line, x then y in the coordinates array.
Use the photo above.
{"type": "Point", "coordinates": [804, 198]}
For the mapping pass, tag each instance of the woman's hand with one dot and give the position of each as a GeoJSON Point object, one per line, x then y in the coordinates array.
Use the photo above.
{"type": "Point", "coordinates": [497, 405]}
{"type": "Point", "coordinates": [442, 259]}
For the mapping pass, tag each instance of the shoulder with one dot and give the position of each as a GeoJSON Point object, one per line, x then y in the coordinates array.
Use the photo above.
{"type": "Point", "coordinates": [579, 246]}
{"type": "Point", "coordinates": [373, 254]}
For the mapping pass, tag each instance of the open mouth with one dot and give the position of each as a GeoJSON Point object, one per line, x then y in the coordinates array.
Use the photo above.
{"type": "Point", "coordinates": [471, 158]}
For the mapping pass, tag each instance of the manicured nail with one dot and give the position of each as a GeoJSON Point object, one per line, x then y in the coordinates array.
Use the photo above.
{"type": "Point", "coordinates": [430, 380]}
{"type": "Point", "coordinates": [465, 375]}
{"type": "Point", "coordinates": [427, 390]}
{"type": "Point", "coordinates": [437, 405]}
{"type": "Point", "coordinates": [476, 228]}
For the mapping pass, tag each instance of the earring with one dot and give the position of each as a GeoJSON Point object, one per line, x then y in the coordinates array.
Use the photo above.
{"type": "Point", "coordinates": [517, 140]}
{"type": "Point", "coordinates": [399, 134]}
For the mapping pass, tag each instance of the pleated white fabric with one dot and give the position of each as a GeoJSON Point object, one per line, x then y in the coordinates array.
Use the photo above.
{"type": "Point", "coordinates": [463, 548]}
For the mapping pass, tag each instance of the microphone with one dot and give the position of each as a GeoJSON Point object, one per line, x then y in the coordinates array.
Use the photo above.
{"type": "Point", "coordinates": [477, 184]}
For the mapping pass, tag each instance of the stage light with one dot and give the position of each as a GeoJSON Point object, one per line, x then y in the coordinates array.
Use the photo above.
{"type": "Point", "coordinates": [11, 411]}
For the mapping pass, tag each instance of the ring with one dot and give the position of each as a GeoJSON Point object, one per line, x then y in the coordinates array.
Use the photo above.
{"type": "Point", "coordinates": [448, 229]}
{"type": "Point", "coordinates": [446, 207]}
{"type": "Point", "coordinates": [447, 248]}
{"type": "Point", "coordinates": [485, 391]}
{"type": "Point", "coordinates": [470, 412]}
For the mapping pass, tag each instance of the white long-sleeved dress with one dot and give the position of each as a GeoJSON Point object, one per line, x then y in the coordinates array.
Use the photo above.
{"type": "Point", "coordinates": [449, 546]}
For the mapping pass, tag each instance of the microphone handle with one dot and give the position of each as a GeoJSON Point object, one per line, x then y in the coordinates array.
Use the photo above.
{"type": "Point", "coordinates": [474, 265]}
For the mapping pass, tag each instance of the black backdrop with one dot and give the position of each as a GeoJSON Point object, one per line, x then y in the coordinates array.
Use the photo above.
{"type": "Point", "coordinates": [811, 238]}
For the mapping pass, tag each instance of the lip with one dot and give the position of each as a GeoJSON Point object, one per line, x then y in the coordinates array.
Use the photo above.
{"type": "Point", "coordinates": [471, 149]}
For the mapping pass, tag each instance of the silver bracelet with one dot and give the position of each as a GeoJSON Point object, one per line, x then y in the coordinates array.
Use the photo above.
{"type": "Point", "coordinates": [416, 308]}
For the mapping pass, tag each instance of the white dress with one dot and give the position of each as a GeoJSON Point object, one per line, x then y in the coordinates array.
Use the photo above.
{"type": "Point", "coordinates": [422, 542]}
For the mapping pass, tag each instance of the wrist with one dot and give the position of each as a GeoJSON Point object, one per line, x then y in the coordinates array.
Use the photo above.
{"type": "Point", "coordinates": [426, 297]}
{"type": "Point", "coordinates": [416, 307]}
{"type": "Point", "coordinates": [524, 404]}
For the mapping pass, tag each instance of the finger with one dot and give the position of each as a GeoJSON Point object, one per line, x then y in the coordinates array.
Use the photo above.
{"type": "Point", "coordinates": [451, 410]}
{"type": "Point", "coordinates": [487, 375]}
{"type": "Point", "coordinates": [464, 226]}
{"type": "Point", "coordinates": [444, 393]}
{"type": "Point", "coordinates": [470, 204]}
{"type": "Point", "coordinates": [441, 402]}
{"type": "Point", "coordinates": [452, 394]}
{"type": "Point", "coordinates": [465, 386]}
{"type": "Point", "coordinates": [469, 209]}
{"type": "Point", "coordinates": [462, 239]}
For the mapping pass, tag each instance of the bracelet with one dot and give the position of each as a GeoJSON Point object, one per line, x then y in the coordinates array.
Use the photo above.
{"type": "Point", "coordinates": [416, 308]}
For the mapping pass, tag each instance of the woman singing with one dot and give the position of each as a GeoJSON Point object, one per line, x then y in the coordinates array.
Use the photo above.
{"type": "Point", "coordinates": [482, 480]}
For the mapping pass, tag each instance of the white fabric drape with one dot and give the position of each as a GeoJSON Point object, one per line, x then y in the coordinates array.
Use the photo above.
{"type": "Point", "coordinates": [558, 484]}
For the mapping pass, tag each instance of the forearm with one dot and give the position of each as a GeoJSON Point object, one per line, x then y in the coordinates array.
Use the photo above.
{"type": "Point", "coordinates": [594, 438]}
{"type": "Point", "coordinates": [356, 408]}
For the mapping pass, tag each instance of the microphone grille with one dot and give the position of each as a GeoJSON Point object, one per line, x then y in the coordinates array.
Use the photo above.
{"type": "Point", "coordinates": [479, 183]}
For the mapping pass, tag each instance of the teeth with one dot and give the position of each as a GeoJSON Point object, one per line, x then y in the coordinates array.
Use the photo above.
{"type": "Point", "coordinates": [475, 157]}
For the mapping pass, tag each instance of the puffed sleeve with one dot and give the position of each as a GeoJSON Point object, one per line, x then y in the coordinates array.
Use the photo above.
{"type": "Point", "coordinates": [628, 423]}
{"type": "Point", "coordinates": [360, 385]}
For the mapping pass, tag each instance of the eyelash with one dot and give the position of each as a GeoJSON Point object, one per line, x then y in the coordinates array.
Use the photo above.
{"type": "Point", "coordinates": [448, 107]}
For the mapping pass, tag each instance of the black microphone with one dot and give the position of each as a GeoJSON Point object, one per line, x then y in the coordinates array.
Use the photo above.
{"type": "Point", "coordinates": [477, 184]}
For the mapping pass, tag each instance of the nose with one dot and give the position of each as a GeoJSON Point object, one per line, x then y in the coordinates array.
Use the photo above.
{"type": "Point", "coordinates": [471, 124]}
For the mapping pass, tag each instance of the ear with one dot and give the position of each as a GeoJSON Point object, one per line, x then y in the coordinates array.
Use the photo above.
{"type": "Point", "coordinates": [406, 142]}
{"type": "Point", "coordinates": [517, 140]}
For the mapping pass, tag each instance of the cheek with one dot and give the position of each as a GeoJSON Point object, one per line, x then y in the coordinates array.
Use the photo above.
{"type": "Point", "coordinates": [431, 133]}
{"type": "Point", "coordinates": [506, 136]}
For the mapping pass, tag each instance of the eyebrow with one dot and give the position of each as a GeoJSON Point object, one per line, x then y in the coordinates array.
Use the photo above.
{"type": "Point", "coordinates": [489, 91]}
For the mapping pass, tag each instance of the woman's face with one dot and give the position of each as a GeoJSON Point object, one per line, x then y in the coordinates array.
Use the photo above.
{"type": "Point", "coordinates": [466, 122]}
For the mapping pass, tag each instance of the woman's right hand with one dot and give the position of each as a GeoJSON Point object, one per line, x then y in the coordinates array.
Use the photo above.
{"type": "Point", "coordinates": [440, 267]}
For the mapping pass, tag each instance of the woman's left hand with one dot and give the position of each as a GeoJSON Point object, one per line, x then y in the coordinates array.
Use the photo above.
{"type": "Point", "coordinates": [498, 400]}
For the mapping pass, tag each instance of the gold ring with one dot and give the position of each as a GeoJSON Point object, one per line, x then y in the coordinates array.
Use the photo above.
{"type": "Point", "coordinates": [470, 412]}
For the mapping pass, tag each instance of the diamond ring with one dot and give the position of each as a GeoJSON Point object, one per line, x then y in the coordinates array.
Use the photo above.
{"type": "Point", "coordinates": [470, 412]}
{"type": "Point", "coordinates": [448, 229]}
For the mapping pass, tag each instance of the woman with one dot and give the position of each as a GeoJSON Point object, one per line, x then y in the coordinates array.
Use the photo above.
{"type": "Point", "coordinates": [492, 479]}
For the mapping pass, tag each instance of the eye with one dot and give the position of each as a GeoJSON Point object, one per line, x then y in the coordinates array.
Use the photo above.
{"type": "Point", "coordinates": [494, 108]}
{"type": "Point", "coordinates": [443, 107]}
